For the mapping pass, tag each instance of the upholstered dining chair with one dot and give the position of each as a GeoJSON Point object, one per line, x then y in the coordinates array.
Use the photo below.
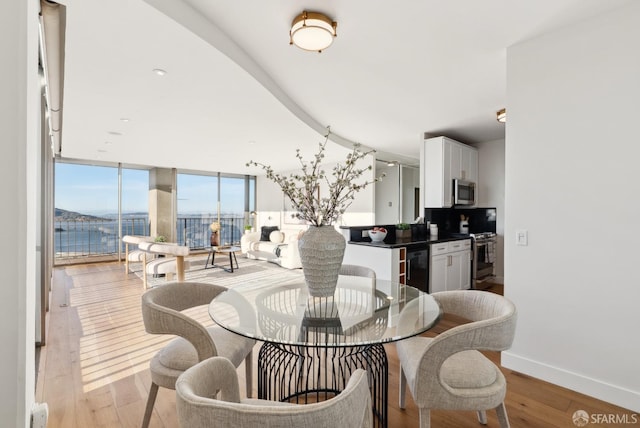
{"type": "Point", "coordinates": [447, 372]}
{"type": "Point", "coordinates": [207, 395]}
{"type": "Point", "coordinates": [356, 270]}
{"type": "Point", "coordinates": [162, 308]}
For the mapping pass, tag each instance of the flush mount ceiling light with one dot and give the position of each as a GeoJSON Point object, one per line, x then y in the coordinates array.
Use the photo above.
{"type": "Point", "coordinates": [312, 31]}
{"type": "Point", "coordinates": [501, 115]}
{"type": "Point", "coordinates": [159, 71]}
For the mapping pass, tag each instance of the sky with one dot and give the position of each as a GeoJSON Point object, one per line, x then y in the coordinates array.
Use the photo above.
{"type": "Point", "coordinates": [94, 190]}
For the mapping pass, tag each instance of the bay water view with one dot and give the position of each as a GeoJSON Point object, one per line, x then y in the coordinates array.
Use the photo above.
{"type": "Point", "coordinates": [80, 235]}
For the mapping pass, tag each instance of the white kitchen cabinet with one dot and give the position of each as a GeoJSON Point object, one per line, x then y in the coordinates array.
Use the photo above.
{"type": "Point", "coordinates": [469, 164]}
{"type": "Point", "coordinates": [450, 266]}
{"type": "Point", "coordinates": [388, 263]}
{"type": "Point", "coordinates": [441, 160]}
{"type": "Point", "coordinates": [438, 273]}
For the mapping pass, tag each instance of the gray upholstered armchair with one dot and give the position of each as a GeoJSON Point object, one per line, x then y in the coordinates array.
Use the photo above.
{"type": "Point", "coordinates": [161, 312]}
{"type": "Point", "coordinates": [356, 270]}
{"type": "Point", "coordinates": [198, 407]}
{"type": "Point", "coordinates": [448, 372]}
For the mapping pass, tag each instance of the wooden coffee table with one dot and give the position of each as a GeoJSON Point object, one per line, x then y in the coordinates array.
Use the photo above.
{"type": "Point", "coordinates": [231, 250]}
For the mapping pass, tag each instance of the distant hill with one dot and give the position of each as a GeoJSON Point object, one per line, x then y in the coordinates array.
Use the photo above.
{"type": "Point", "coordinates": [64, 215]}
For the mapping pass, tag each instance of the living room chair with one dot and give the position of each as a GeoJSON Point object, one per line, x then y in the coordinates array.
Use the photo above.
{"type": "Point", "coordinates": [162, 308]}
{"type": "Point", "coordinates": [132, 254]}
{"type": "Point", "coordinates": [198, 405]}
{"type": "Point", "coordinates": [447, 372]}
{"type": "Point", "coordinates": [168, 259]}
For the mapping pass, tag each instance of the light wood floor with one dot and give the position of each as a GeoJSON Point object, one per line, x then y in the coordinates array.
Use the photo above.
{"type": "Point", "coordinates": [93, 372]}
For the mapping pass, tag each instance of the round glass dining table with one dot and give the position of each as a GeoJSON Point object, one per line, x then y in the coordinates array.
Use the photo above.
{"type": "Point", "coordinates": [312, 344]}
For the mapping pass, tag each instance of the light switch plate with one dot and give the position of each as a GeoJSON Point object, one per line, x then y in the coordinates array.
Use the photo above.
{"type": "Point", "coordinates": [522, 237]}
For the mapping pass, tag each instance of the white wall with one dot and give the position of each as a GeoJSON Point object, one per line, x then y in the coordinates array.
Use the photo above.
{"type": "Point", "coordinates": [571, 181]}
{"type": "Point", "coordinates": [491, 191]}
{"type": "Point", "coordinates": [19, 121]}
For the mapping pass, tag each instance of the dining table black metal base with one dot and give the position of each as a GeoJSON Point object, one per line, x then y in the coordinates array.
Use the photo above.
{"type": "Point", "coordinates": [307, 374]}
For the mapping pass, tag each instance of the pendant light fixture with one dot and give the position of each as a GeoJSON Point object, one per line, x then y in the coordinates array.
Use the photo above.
{"type": "Point", "coordinates": [312, 31]}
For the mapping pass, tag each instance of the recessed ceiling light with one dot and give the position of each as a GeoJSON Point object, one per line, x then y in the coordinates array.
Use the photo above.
{"type": "Point", "coordinates": [124, 119]}
{"type": "Point", "coordinates": [108, 143]}
{"type": "Point", "coordinates": [102, 151]}
{"type": "Point", "coordinates": [251, 142]}
{"type": "Point", "coordinates": [114, 133]}
{"type": "Point", "coordinates": [159, 71]}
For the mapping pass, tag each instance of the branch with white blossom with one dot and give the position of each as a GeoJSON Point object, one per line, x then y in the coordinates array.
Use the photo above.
{"type": "Point", "coordinates": [302, 189]}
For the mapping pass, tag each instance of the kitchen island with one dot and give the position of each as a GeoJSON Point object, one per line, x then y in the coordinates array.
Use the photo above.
{"type": "Point", "coordinates": [422, 261]}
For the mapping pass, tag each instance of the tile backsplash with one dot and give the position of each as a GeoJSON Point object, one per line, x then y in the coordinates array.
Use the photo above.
{"type": "Point", "coordinates": [448, 219]}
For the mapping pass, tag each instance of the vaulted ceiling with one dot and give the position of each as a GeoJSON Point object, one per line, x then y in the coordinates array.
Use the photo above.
{"type": "Point", "coordinates": [235, 90]}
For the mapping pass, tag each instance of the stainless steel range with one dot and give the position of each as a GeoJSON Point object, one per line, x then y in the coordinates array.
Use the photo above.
{"type": "Point", "coordinates": [484, 258]}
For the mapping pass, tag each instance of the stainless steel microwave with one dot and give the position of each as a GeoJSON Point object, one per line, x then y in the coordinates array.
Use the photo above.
{"type": "Point", "coordinates": [464, 192]}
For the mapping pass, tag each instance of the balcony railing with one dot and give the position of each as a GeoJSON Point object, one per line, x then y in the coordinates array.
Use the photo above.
{"type": "Point", "coordinates": [194, 231]}
{"type": "Point", "coordinates": [87, 238]}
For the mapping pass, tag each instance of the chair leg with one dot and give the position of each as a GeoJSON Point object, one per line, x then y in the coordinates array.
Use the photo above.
{"type": "Point", "coordinates": [402, 390]}
{"type": "Point", "coordinates": [425, 418]}
{"type": "Point", "coordinates": [144, 271]}
{"type": "Point", "coordinates": [503, 419]}
{"type": "Point", "coordinates": [482, 417]}
{"type": "Point", "coordinates": [153, 392]}
{"type": "Point", "coordinates": [248, 371]}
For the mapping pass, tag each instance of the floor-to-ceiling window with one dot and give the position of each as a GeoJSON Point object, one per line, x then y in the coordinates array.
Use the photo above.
{"type": "Point", "coordinates": [203, 199]}
{"type": "Point", "coordinates": [96, 205]}
{"type": "Point", "coordinates": [92, 203]}
{"type": "Point", "coordinates": [86, 210]}
{"type": "Point", "coordinates": [232, 203]}
{"type": "Point", "coordinates": [197, 207]}
{"type": "Point", "coordinates": [135, 202]}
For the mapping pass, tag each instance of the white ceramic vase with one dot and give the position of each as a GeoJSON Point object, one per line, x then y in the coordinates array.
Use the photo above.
{"type": "Point", "coordinates": [321, 253]}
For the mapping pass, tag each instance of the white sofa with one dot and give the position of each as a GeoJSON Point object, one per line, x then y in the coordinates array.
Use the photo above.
{"type": "Point", "coordinates": [281, 248]}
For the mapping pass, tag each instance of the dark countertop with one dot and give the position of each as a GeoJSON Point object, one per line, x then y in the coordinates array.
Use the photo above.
{"type": "Point", "coordinates": [391, 242]}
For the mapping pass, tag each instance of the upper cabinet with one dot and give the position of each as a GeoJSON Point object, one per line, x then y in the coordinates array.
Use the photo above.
{"type": "Point", "coordinates": [442, 160]}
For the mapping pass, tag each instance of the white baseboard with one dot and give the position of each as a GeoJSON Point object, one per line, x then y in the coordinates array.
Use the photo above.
{"type": "Point", "coordinates": [613, 394]}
